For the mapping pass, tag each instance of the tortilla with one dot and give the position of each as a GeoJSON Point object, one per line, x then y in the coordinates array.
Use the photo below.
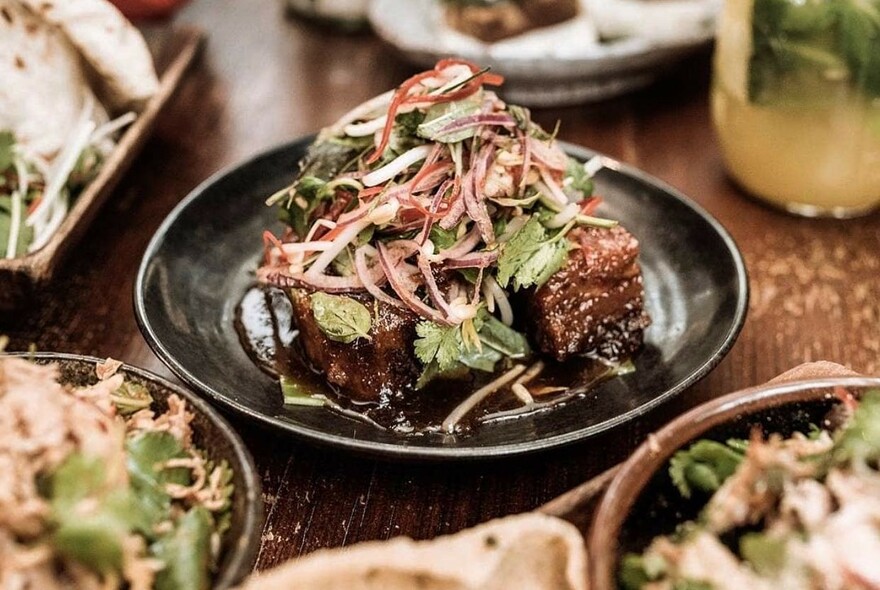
{"type": "Point", "coordinates": [527, 552]}
{"type": "Point", "coordinates": [110, 45]}
{"type": "Point", "coordinates": [44, 88]}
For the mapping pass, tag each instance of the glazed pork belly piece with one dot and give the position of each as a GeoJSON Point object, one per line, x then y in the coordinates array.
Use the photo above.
{"type": "Point", "coordinates": [594, 305]}
{"type": "Point", "coordinates": [366, 370]}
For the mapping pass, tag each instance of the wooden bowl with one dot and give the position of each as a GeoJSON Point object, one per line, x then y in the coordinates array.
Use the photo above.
{"type": "Point", "coordinates": [641, 501]}
{"type": "Point", "coordinates": [211, 433]}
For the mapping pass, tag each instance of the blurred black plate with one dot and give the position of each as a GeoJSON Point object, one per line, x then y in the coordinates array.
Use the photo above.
{"type": "Point", "coordinates": [201, 261]}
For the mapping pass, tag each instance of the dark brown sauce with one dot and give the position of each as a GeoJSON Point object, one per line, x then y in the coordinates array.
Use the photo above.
{"type": "Point", "coordinates": [264, 323]}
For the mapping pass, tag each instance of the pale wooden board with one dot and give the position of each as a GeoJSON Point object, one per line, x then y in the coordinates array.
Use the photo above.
{"type": "Point", "coordinates": [19, 277]}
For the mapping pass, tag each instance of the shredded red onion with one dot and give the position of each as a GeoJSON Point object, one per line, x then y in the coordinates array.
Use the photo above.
{"type": "Point", "coordinates": [432, 209]}
{"type": "Point", "coordinates": [407, 296]}
{"type": "Point", "coordinates": [478, 120]}
{"type": "Point", "coordinates": [463, 246]}
{"type": "Point", "coordinates": [472, 186]}
{"type": "Point", "coordinates": [527, 160]}
{"type": "Point", "coordinates": [454, 213]}
{"type": "Point", "coordinates": [366, 275]}
{"type": "Point", "coordinates": [473, 260]}
{"type": "Point", "coordinates": [552, 157]}
{"type": "Point", "coordinates": [280, 277]}
{"type": "Point", "coordinates": [431, 284]}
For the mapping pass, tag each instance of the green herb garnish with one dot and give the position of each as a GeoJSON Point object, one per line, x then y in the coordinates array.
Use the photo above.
{"type": "Point", "coordinates": [704, 466]}
{"type": "Point", "coordinates": [531, 256]}
{"type": "Point", "coordinates": [341, 318]}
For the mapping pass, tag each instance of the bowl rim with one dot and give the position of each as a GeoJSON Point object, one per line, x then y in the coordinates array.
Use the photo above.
{"type": "Point", "coordinates": [243, 554]}
{"type": "Point", "coordinates": [655, 451]}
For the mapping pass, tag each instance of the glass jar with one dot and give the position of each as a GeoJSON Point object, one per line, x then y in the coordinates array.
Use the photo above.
{"type": "Point", "coordinates": [796, 102]}
{"type": "Point", "coordinates": [344, 15]}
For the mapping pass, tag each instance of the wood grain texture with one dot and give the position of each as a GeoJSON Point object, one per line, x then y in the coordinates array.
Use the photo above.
{"type": "Point", "coordinates": [263, 80]}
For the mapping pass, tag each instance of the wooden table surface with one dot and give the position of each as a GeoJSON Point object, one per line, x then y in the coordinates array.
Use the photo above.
{"type": "Point", "coordinates": [263, 79]}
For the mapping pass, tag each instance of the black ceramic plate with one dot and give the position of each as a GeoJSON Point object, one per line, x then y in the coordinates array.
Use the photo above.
{"type": "Point", "coordinates": [201, 261]}
{"type": "Point", "coordinates": [211, 433]}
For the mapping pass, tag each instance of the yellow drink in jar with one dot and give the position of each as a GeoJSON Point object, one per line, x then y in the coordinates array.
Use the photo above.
{"type": "Point", "coordinates": [797, 116]}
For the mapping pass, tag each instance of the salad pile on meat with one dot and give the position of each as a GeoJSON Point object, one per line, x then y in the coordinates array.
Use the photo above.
{"type": "Point", "coordinates": [435, 232]}
{"type": "Point", "coordinates": [784, 513]}
{"type": "Point", "coordinates": [101, 492]}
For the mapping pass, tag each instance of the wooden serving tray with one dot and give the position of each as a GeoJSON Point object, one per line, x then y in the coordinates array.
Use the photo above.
{"type": "Point", "coordinates": [20, 277]}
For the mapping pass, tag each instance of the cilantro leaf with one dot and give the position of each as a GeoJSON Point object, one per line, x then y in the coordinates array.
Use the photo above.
{"type": "Point", "coordinates": [507, 341]}
{"type": "Point", "coordinates": [442, 239]}
{"type": "Point", "coordinates": [93, 537]}
{"type": "Point", "coordinates": [519, 249]}
{"type": "Point", "coordinates": [704, 466]}
{"type": "Point", "coordinates": [442, 344]}
{"type": "Point", "coordinates": [444, 354]}
{"type": "Point", "coordinates": [341, 318]}
{"type": "Point", "coordinates": [186, 553]}
{"type": "Point", "coordinates": [145, 454]}
{"type": "Point", "coordinates": [531, 257]}
{"type": "Point", "coordinates": [578, 180]}
{"type": "Point", "coordinates": [859, 442]}
{"type": "Point", "coordinates": [408, 123]}
{"type": "Point", "coordinates": [543, 264]}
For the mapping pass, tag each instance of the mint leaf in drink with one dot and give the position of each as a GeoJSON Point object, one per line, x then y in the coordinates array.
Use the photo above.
{"type": "Point", "coordinates": [859, 40]}
{"type": "Point", "coordinates": [803, 51]}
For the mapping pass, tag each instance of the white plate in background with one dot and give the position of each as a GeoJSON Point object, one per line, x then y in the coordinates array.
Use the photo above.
{"type": "Point", "coordinates": [566, 63]}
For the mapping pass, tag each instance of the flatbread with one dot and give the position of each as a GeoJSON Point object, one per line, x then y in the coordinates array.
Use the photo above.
{"type": "Point", "coordinates": [527, 552]}
{"type": "Point", "coordinates": [110, 45]}
{"type": "Point", "coordinates": [44, 88]}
